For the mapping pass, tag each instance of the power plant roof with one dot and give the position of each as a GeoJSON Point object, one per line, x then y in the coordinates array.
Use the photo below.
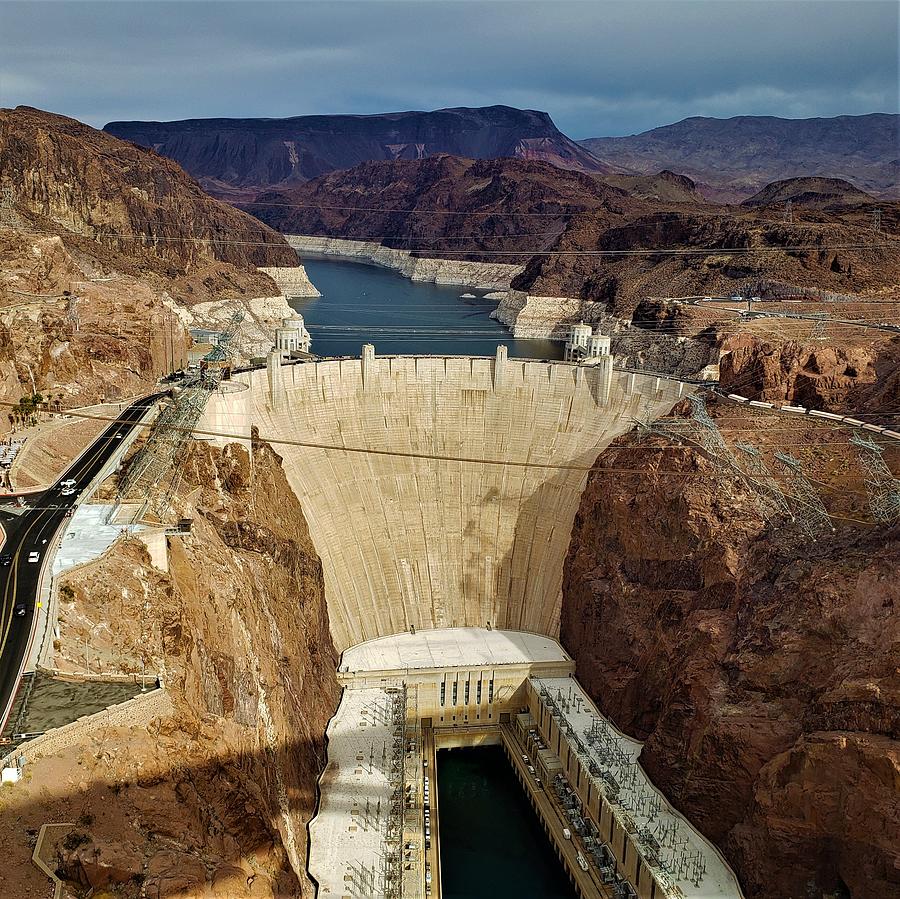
{"type": "Point", "coordinates": [455, 647]}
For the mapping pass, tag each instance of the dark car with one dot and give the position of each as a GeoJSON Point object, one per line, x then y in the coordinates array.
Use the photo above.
{"type": "Point", "coordinates": [20, 610]}
{"type": "Point", "coordinates": [6, 559]}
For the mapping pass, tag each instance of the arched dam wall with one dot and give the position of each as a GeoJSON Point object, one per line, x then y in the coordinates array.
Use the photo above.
{"type": "Point", "coordinates": [434, 543]}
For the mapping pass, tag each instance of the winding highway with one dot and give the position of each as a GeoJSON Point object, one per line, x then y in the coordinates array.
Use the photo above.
{"type": "Point", "coordinates": [33, 532]}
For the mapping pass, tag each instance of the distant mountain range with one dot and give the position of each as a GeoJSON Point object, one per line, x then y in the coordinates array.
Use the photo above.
{"type": "Point", "coordinates": [231, 156]}
{"type": "Point", "coordinates": [734, 158]}
{"type": "Point", "coordinates": [729, 159]}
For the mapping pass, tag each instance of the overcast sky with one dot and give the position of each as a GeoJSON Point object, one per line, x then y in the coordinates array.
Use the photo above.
{"type": "Point", "coordinates": [599, 68]}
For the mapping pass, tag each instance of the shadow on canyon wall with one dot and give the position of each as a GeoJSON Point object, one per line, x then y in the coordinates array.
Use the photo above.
{"type": "Point", "coordinates": [165, 831]}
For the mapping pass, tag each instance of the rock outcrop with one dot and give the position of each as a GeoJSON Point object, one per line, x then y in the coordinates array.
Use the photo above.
{"type": "Point", "coordinates": [131, 200]}
{"type": "Point", "coordinates": [833, 375]}
{"type": "Point", "coordinates": [106, 249]}
{"type": "Point", "coordinates": [759, 668]}
{"type": "Point", "coordinates": [818, 193]}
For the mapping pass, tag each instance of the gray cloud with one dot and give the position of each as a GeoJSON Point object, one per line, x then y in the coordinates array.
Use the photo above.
{"type": "Point", "coordinates": [599, 68]}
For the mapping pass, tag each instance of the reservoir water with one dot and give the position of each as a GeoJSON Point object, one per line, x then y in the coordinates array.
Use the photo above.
{"type": "Point", "coordinates": [492, 845]}
{"type": "Point", "coordinates": [369, 304]}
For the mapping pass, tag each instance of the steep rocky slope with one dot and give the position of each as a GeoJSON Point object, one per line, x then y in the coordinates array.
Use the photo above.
{"type": "Point", "coordinates": [736, 157]}
{"type": "Point", "coordinates": [758, 666]}
{"type": "Point", "coordinates": [132, 200]}
{"type": "Point", "coordinates": [213, 801]}
{"type": "Point", "coordinates": [105, 249]}
{"type": "Point", "coordinates": [236, 154]}
{"type": "Point", "coordinates": [444, 205]}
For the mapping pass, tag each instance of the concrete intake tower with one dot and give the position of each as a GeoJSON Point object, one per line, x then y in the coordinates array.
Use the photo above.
{"type": "Point", "coordinates": [407, 541]}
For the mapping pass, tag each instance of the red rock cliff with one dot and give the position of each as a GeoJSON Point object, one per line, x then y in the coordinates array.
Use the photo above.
{"type": "Point", "coordinates": [761, 669]}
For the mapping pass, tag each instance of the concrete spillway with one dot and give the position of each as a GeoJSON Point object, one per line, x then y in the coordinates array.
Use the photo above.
{"type": "Point", "coordinates": [429, 542]}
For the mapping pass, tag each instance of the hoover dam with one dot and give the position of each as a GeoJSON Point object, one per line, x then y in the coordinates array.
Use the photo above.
{"type": "Point", "coordinates": [454, 505]}
{"type": "Point", "coordinates": [440, 493]}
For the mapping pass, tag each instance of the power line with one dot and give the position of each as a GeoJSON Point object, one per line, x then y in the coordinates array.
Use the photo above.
{"type": "Point", "coordinates": [644, 251]}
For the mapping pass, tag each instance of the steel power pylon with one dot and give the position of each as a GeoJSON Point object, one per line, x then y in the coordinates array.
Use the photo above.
{"type": "Point", "coordinates": [154, 474]}
{"type": "Point", "coordinates": [768, 493]}
{"type": "Point", "coordinates": [882, 487]}
{"type": "Point", "coordinates": [7, 205]}
{"type": "Point", "coordinates": [710, 438]}
{"type": "Point", "coordinates": [809, 511]}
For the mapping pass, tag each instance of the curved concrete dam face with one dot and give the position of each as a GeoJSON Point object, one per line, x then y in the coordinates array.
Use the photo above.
{"type": "Point", "coordinates": [429, 542]}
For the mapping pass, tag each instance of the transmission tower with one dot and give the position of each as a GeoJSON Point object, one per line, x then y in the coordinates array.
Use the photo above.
{"type": "Point", "coordinates": [789, 211]}
{"type": "Point", "coordinates": [818, 330]}
{"type": "Point", "coordinates": [876, 220]}
{"type": "Point", "coordinates": [710, 437]}
{"type": "Point", "coordinates": [6, 205]}
{"type": "Point", "coordinates": [223, 349]}
{"type": "Point", "coordinates": [766, 489]}
{"type": "Point", "coordinates": [155, 471]}
{"type": "Point", "coordinates": [883, 488]}
{"type": "Point", "coordinates": [809, 510]}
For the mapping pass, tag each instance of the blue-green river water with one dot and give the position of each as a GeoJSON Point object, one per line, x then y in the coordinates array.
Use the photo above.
{"type": "Point", "coordinates": [368, 304]}
{"type": "Point", "coordinates": [492, 845]}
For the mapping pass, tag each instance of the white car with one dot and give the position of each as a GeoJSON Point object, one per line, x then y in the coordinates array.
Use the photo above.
{"type": "Point", "coordinates": [67, 484]}
{"type": "Point", "coordinates": [67, 491]}
{"type": "Point", "coordinates": [34, 557]}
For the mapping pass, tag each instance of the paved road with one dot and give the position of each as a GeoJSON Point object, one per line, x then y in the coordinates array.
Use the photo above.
{"type": "Point", "coordinates": [33, 531]}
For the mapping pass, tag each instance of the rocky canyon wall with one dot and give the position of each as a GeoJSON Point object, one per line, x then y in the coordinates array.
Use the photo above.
{"type": "Point", "coordinates": [759, 667]}
{"type": "Point", "coordinates": [213, 801]}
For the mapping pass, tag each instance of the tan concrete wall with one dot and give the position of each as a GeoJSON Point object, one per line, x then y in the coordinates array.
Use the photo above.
{"type": "Point", "coordinates": [433, 543]}
{"type": "Point", "coordinates": [226, 413]}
